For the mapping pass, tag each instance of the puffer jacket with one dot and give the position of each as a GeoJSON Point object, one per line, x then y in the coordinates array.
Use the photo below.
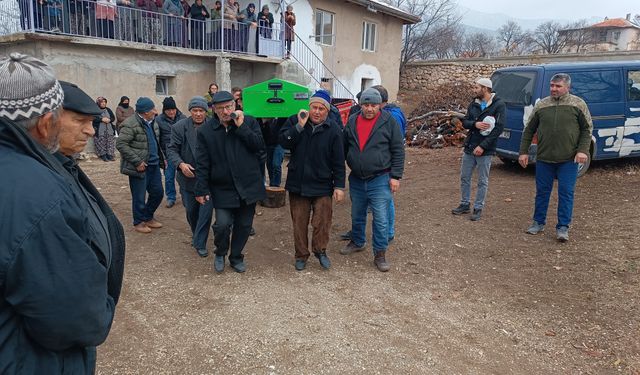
{"type": "Point", "coordinates": [134, 147]}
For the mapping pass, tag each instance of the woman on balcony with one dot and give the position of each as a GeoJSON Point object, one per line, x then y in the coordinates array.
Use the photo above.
{"type": "Point", "coordinates": [106, 11]}
{"type": "Point", "coordinates": [172, 25]}
{"type": "Point", "coordinates": [199, 14]}
{"type": "Point", "coordinates": [290, 21]}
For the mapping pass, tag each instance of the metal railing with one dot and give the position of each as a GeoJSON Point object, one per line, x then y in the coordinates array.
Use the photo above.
{"type": "Point", "coordinates": [144, 23]}
{"type": "Point", "coordinates": [299, 51]}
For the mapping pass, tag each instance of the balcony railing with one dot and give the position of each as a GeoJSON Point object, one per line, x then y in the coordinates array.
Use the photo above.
{"type": "Point", "coordinates": [106, 20]}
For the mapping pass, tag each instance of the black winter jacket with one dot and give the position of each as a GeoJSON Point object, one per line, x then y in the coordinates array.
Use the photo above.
{"type": "Point", "coordinates": [228, 163]}
{"type": "Point", "coordinates": [165, 125]}
{"type": "Point", "coordinates": [383, 153]}
{"type": "Point", "coordinates": [316, 166]}
{"type": "Point", "coordinates": [182, 149]}
{"type": "Point", "coordinates": [56, 257]}
{"type": "Point", "coordinates": [495, 108]}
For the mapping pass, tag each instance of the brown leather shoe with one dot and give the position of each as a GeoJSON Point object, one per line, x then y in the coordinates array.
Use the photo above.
{"type": "Point", "coordinates": [142, 228]}
{"type": "Point", "coordinates": [153, 223]}
{"type": "Point", "coordinates": [381, 262]}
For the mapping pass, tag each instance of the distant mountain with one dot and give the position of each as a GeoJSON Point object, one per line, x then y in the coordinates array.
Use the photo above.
{"type": "Point", "coordinates": [475, 21]}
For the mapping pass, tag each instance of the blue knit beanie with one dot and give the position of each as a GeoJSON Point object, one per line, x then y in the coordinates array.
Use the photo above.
{"type": "Point", "coordinates": [321, 96]}
{"type": "Point", "coordinates": [144, 105]}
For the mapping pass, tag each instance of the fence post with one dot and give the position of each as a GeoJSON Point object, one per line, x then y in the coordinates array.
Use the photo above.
{"type": "Point", "coordinates": [222, 21]}
{"type": "Point", "coordinates": [31, 15]}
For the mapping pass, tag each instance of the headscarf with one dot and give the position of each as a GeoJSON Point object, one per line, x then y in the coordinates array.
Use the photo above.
{"type": "Point", "coordinates": [123, 98]}
{"type": "Point", "coordinates": [249, 12]}
{"type": "Point", "coordinates": [100, 99]}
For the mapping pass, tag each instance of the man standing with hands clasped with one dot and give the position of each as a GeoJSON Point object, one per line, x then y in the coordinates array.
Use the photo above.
{"type": "Point", "coordinates": [485, 121]}
{"type": "Point", "coordinates": [563, 124]}
{"type": "Point", "coordinates": [374, 151]}
{"type": "Point", "coordinates": [228, 172]}
{"type": "Point", "coordinates": [315, 178]}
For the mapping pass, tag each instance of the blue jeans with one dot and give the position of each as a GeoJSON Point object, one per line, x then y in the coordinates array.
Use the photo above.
{"type": "Point", "coordinates": [566, 173]}
{"type": "Point", "coordinates": [170, 181]}
{"type": "Point", "coordinates": [275, 156]}
{"type": "Point", "coordinates": [375, 194]}
{"type": "Point", "coordinates": [144, 207]}
{"type": "Point", "coordinates": [231, 230]}
{"type": "Point", "coordinates": [469, 163]}
{"type": "Point", "coordinates": [199, 217]}
{"type": "Point", "coordinates": [392, 218]}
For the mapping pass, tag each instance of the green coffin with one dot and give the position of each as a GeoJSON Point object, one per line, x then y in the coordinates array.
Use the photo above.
{"type": "Point", "coordinates": [275, 98]}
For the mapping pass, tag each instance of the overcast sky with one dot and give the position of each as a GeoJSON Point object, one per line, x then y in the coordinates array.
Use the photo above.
{"type": "Point", "coordinates": [556, 9]}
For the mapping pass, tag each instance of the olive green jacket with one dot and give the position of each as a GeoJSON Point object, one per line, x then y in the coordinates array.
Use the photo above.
{"type": "Point", "coordinates": [133, 145]}
{"type": "Point", "coordinates": [564, 128]}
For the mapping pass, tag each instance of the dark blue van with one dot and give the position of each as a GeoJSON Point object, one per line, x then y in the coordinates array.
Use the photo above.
{"type": "Point", "coordinates": [610, 89]}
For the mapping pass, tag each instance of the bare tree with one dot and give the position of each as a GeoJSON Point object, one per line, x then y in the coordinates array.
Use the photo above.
{"type": "Point", "coordinates": [511, 38]}
{"type": "Point", "coordinates": [422, 40]}
{"type": "Point", "coordinates": [548, 38]}
{"type": "Point", "coordinates": [579, 36]}
{"type": "Point", "coordinates": [478, 45]}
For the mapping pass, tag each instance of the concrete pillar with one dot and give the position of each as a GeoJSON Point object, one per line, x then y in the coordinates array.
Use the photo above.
{"type": "Point", "coordinates": [223, 73]}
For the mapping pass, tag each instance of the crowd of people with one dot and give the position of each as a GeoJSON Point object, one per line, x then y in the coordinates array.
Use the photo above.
{"type": "Point", "coordinates": [62, 253]}
{"type": "Point", "coordinates": [167, 22]}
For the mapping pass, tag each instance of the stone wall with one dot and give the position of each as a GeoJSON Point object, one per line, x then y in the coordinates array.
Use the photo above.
{"type": "Point", "coordinates": [423, 76]}
{"type": "Point", "coordinates": [430, 77]}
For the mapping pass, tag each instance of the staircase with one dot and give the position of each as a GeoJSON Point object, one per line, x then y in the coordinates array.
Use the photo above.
{"type": "Point", "coordinates": [313, 66]}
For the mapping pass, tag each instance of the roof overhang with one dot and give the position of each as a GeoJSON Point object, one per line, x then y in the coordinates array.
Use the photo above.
{"type": "Point", "coordinates": [379, 6]}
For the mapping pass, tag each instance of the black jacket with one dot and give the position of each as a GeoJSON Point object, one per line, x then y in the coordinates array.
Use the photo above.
{"type": "Point", "coordinates": [182, 149]}
{"type": "Point", "coordinates": [56, 262]}
{"type": "Point", "coordinates": [316, 166]}
{"type": "Point", "coordinates": [228, 163]}
{"type": "Point", "coordinates": [271, 130]}
{"type": "Point", "coordinates": [383, 153]}
{"type": "Point", "coordinates": [165, 125]}
{"type": "Point", "coordinates": [495, 108]}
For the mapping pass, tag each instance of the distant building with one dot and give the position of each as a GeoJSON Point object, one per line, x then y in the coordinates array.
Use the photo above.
{"type": "Point", "coordinates": [615, 34]}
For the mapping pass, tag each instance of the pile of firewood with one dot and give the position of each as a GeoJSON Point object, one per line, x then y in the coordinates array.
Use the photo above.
{"type": "Point", "coordinates": [436, 121]}
{"type": "Point", "coordinates": [437, 129]}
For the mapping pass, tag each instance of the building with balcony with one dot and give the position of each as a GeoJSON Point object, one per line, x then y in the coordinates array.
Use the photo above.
{"type": "Point", "coordinates": [114, 48]}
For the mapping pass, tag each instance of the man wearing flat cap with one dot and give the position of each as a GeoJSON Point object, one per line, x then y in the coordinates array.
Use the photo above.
{"type": "Point", "coordinates": [61, 249]}
{"type": "Point", "coordinates": [316, 177]}
{"type": "Point", "coordinates": [141, 159]}
{"type": "Point", "coordinates": [375, 153]}
{"type": "Point", "coordinates": [228, 172]}
{"type": "Point", "coordinates": [182, 153]}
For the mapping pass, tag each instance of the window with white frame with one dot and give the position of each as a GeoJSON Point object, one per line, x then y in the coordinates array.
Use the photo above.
{"type": "Point", "coordinates": [165, 85]}
{"type": "Point", "coordinates": [368, 36]}
{"type": "Point", "coordinates": [324, 27]}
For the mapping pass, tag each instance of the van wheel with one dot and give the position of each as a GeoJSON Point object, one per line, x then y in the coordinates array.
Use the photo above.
{"type": "Point", "coordinates": [583, 167]}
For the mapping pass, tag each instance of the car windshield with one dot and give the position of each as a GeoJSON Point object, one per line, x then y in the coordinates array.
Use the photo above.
{"type": "Point", "coordinates": [514, 88]}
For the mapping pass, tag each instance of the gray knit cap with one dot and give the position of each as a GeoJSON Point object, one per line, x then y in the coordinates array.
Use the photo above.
{"type": "Point", "coordinates": [198, 102]}
{"type": "Point", "coordinates": [29, 88]}
{"type": "Point", "coordinates": [370, 96]}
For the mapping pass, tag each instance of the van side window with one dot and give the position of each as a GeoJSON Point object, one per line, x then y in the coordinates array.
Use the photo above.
{"type": "Point", "coordinates": [514, 87]}
{"type": "Point", "coordinates": [597, 86]}
{"type": "Point", "coordinates": [633, 85]}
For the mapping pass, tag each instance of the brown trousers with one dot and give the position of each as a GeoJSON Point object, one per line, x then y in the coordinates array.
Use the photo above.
{"type": "Point", "coordinates": [301, 209]}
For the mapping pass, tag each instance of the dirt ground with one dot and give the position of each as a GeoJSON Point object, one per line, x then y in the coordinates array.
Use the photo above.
{"type": "Point", "coordinates": [462, 297]}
